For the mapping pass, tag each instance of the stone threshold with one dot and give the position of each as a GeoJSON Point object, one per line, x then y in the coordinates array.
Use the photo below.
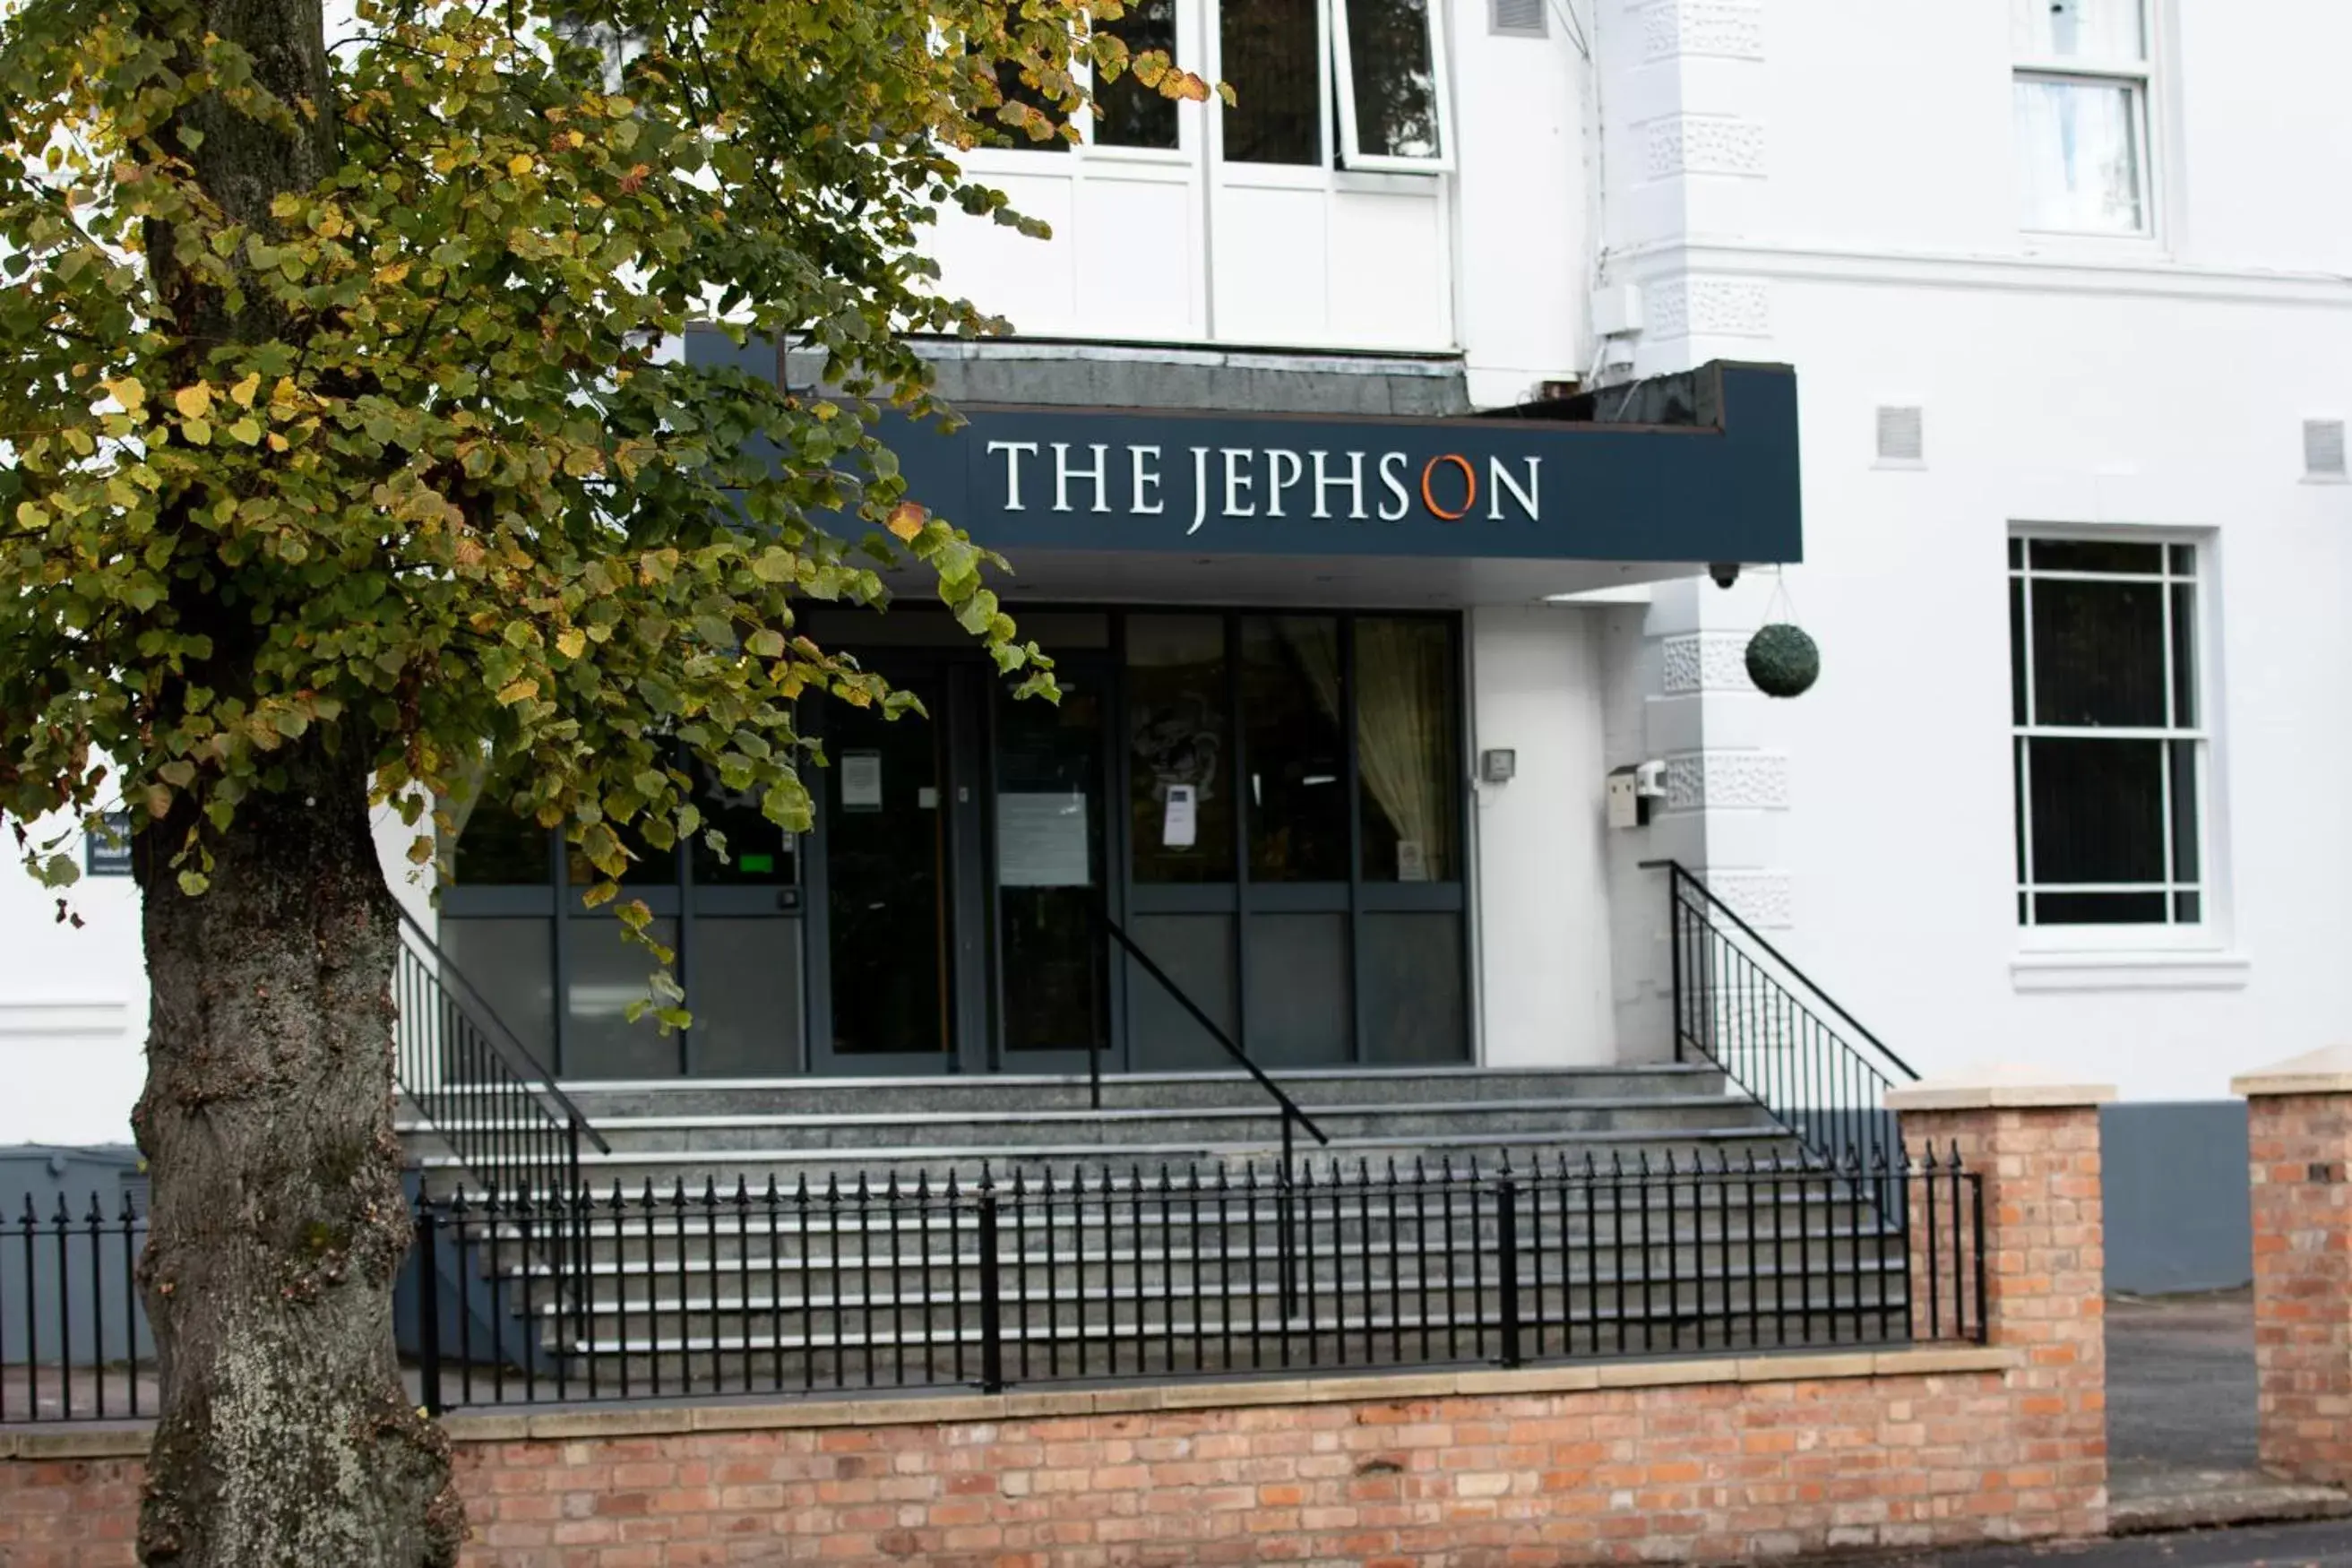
{"type": "Point", "coordinates": [114, 1440]}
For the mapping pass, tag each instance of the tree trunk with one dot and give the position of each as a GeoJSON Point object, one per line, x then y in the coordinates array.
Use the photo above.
{"type": "Point", "coordinates": [285, 1438]}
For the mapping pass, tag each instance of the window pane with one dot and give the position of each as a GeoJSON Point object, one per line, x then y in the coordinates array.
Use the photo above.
{"type": "Point", "coordinates": [743, 986]}
{"type": "Point", "coordinates": [759, 853]}
{"type": "Point", "coordinates": [1414, 998]}
{"type": "Point", "coordinates": [2184, 561]}
{"type": "Point", "coordinates": [609, 971]}
{"type": "Point", "coordinates": [1393, 70]}
{"type": "Point", "coordinates": [1271, 51]}
{"type": "Point", "coordinates": [1296, 750]}
{"type": "Point", "coordinates": [1049, 860]}
{"type": "Point", "coordinates": [1300, 1005]}
{"type": "Point", "coordinates": [2018, 712]}
{"type": "Point", "coordinates": [2016, 553]}
{"type": "Point", "coordinates": [1134, 115]}
{"type": "Point", "coordinates": [494, 848]}
{"type": "Point", "coordinates": [2079, 29]}
{"type": "Point", "coordinates": [2078, 156]}
{"type": "Point", "coordinates": [1178, 726]}
{"type": "Point", "coordinates": [2184, 656]}
{"type": "Point", "coordinates": [510, 965]}
{"type": "Point", "coordinates": [2096, 555]}
{"type": "Point", "coordinates": [2017, 804]}
{"type": "Point", "coordinates": [1408, 748]}
{"type": "Point", "coordinates": [2098, 811]}
{"type": "Point", "coordinates": [646, 864]}
{"type": "Point", "coordinates": [2098, 653]}
{"type": "Point", "coordinates": [2098, 909]}
{"type": "Point", "coordinates": [2184, 811]}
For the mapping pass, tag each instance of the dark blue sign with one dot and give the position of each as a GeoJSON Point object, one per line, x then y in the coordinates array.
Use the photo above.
{"type": "Point", "coordinates": [1074, 478]}
{"type": "Point", "coordinates": [106, 853]}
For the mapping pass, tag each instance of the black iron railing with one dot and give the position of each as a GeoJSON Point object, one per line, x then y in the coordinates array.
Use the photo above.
{"type": "Point", "coordinates": [846, 1286]}
{"type": "Point", "coordinates": [1157, 1274]}
{"type": "Point", "coordinates": [1740, 1005]}
{"type": "Point", "coordinates": [475, 1088]}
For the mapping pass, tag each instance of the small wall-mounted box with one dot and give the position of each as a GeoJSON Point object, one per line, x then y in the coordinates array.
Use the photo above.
{"type": "Point", "coordinates": [1497, 766]}
{"type": "Point", "coordinates": [1628, 807]}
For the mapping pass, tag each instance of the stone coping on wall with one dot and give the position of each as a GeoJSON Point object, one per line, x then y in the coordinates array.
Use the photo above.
{"type": "Point", "coordinates": [2324, 1071]}
{"type": "Point", "coordinates": [114, 1440]}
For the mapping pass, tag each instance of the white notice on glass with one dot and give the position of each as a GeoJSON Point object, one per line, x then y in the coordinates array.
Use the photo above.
{"type": "Point", "coordinates": [1412, 866]}
{"type": "Point", "coordinates": [1041, 841]}
{"type": "Point", "coordinates": [861, 781]}
{"type": "Point", "coordinates": [1179, 824]}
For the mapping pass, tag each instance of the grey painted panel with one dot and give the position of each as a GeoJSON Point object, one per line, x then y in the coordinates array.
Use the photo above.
{"type": "Point", "coordinates": [44, 1174]}
{"type": "Point", "coordinates": [2177, 1196]}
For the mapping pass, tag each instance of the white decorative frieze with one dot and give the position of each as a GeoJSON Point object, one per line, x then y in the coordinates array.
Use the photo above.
{"type": "Point", "coordinates": [1707, 308]}
{"type": "Point", "coordinates": [1705, 661]}
{"type": "Point", "coordinates": [1728, 781]}
{"type": "Point", "coordinates": [1763, 899]}
{"type": "Point", "coordinates": [1728, 29]}
{"type": "Point", "coordinates": [1702, 144]}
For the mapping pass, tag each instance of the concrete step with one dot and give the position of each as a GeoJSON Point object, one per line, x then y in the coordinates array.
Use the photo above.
{"type": "Point", "coordinates": [602, 1102]}
{"type": "Point", "coordinates": [1444, 1123]}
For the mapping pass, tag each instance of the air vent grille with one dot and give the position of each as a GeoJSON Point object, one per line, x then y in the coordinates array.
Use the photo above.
{"type": "Point", "coordinates": [1517, 18]}
{"type": "Point", "coordinates": [1902, 434]}
{"type": "Point", "coordinates": [2322, 448]}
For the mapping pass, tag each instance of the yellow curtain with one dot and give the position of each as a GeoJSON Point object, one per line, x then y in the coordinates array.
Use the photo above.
{"type": "Point", "coordinates": [1402, 708]}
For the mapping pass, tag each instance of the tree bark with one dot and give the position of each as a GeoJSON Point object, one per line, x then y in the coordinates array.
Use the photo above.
{"type": "Point", "coordinates": [286, 1439]}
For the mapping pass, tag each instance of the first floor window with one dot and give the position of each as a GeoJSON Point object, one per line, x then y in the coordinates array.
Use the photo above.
{"type": "Point", "coordinates": [2081, 96]}
{"type": "Point", "coordinates": [1386, 81]}
{"type": "Point", "coordinates": [2109, 748]}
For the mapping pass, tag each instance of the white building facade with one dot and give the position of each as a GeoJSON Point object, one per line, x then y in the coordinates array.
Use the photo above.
{"type": "Point", "coordinates": [2069, 307]}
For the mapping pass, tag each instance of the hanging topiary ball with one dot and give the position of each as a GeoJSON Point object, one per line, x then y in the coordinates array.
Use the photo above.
{"type": "Point", "coordinates": [1782, 660]}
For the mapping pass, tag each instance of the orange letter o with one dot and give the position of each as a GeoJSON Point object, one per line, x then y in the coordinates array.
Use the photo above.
{"type": "Point", "coordinates": [1469, 483]}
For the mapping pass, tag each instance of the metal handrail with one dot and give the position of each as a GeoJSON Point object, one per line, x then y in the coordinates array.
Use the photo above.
{"type": "Point", "coordinates": [1289, 1106]}
{"type": "Point", "coordinates": [525, 1068]}
{"type": "Point", "coordinates": [1682, 876]}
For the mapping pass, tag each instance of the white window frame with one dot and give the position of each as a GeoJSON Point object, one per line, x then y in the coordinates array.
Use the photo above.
{"type": "Point", "coordinates": [1341, 66]}
{"type": "Point", "coordinates": [2139, 77]}
{"type": "Point", "coordinates": [2208, 932]}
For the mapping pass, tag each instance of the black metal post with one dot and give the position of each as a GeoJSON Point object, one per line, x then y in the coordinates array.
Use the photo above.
{"type": "Point", "coordinates": [1507, 1266]}
{"type": "Point", "coordinates": [1286, 1241]}
{"type": "Point", "coordinates": [428, 1313]}
{"type": "Point", "coordinates": [992, 1307]}
{"type": "Point", "coordinates": [1674, 944]}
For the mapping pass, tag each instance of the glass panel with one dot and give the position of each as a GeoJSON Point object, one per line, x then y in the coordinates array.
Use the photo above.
{"type": "Point", "coordinates": [1297, 752]}
{"type": "Point", "coordinates": [511, 964]}
{"type": "Point", "coordinates": [2016, 553]}
{"type": "Point", "coordinates": [1393, 70]}
{"type": "Point", "coordinates": [2098, 811]}
{"type": "Point", "coordinates": [1300, 1011]}
{"type": "Point", "coordinates": [759, 853]}
{"type": "Point", "coordinates": [2185, 863]}
{"type": "Point", "coordinates": [2098, 653]}
{"type": "Point", "coordinates": [2187, 908]}
{"type": "Point", "coordinates": [2078, 156]}
{"type": "Point", "coordinates": [2184, 657]}
{"type": "Point", "coordinates": [2098, 909]}
{"type": "Point", "coordinates": [2096, 555]}
{"type": "Point", "coordinates": [1197, 953]}
{"type": "Point", "coordinates": [1408, 746]}
{"type": "Point", "coordinates": [1272, 57]}
{"type": "Point", "coordinates": [495, 847]}
{"type": "Point", "coordinates": [608, 971]}
{"type": "Point", "coordinates": [1415, 1008]}
{"type": "Point", "coordinates": [2079, 29]}
{"type": "Point", "coordinates": [1178, 728]}
{"type": "Point", "coordinates": [1134, 115]}
{"type": "Point", "coordinates": [2184, 559]}
{"type": "Point", "coordinates": [2017, 801]}
{"type": "Point", "coordinates": [743, 984]}
{"type": "Point", "coordinates": [1049, 860]}
{"type": "Point", "coordinates": [2018, 712]}
{"type": "Point", "coordinates": [886, 847]}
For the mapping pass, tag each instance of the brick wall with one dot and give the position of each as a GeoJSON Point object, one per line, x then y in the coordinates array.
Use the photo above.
{"type": "Point", "coordinates": [2299, 1148]}
{"type": "Point", "coordinates": [1720, 1462]}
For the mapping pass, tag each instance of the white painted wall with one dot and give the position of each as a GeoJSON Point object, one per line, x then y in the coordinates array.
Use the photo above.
{"type": "Point", "coordinates": [1545, 974]}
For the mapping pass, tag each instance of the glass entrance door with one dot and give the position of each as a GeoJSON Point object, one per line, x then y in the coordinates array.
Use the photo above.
{"type": "Point", "coordinates": [890, 904]}
{"type": "Point", "coordinates": [1048, 773]}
